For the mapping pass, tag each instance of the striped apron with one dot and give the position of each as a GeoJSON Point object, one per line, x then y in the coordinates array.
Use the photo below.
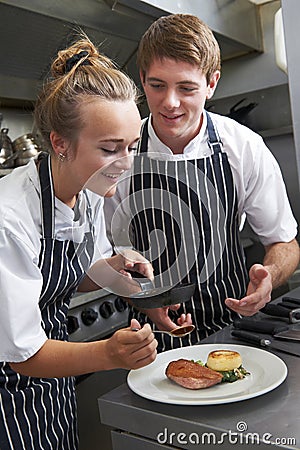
{"type": "Point", "coordinates": [40, 413]}
{"type": "Point", "coordinates": [185, 221]}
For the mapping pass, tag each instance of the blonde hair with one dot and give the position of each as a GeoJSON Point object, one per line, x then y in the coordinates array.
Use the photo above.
{"type": "Point", "coordinates": [78, 74]}
{"type": "Point", "coordinates": [182, 37]}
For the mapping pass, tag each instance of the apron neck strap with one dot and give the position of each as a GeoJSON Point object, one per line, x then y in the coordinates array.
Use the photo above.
{"type": "Point", "coordinates": [144, 138]}
{"type": "Point", "coordinates": [214, 141]}
{"type": "Point", "coordinates": [47, 196]}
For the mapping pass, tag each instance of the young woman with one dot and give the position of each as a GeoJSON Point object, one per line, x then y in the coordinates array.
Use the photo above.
{"type": "Point", "coordinates": [52, 237]}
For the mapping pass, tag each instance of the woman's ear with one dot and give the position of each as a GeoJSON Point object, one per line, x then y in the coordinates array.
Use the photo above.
{"type": "Point", "coordinates": [211, 87]}
{"type": "Point", "coordinates": [59, 144]}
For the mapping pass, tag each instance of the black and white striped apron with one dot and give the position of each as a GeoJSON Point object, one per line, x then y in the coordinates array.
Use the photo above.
{"type": "Point", "coordinates": [185, 221]}
{"type": "Point", "coordinates": [40, 413]}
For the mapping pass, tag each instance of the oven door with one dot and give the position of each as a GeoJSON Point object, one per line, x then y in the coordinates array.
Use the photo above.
{"type": "Point", "coordinates": [93, 435]}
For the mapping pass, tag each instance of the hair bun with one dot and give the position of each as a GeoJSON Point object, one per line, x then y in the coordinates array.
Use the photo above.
{"type": "Point", "coordinates": [75, 59]}
{"type": "Point", "coordinates": [68, 58]}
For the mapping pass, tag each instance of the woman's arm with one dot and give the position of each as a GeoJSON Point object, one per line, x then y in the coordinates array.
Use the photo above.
{"type": "Point", "coordinates": [125, 349]}
{"type": "Point", "coordinates": [112, 273]}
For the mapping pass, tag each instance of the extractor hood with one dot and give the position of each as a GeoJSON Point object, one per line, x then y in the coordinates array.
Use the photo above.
{"type": "Point", "coordinates": [33, 31]}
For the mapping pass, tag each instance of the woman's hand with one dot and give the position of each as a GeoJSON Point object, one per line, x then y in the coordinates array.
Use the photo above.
{"type": "Point", "coordinates": [112, 273]}
{"type": "Point", "coordinates": [131, 260]}
{"type": "Point", "coordinates": [126, 349]}
{"type": "Point", "coordinates": [131, 349]}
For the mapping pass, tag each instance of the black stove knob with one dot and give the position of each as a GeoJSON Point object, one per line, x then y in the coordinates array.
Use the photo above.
{"type": "Point", "coordinates": [106, 309]}
{"type": "Point", "coordinates": [72, 324]}
{"type": "Point", "coordinates": [88, 316]}
{"type": "Point", "coordinates": [120, 304]}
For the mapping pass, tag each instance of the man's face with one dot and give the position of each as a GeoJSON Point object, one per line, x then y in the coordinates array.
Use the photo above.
{"type": "Point", "coordinates": [176, 92]}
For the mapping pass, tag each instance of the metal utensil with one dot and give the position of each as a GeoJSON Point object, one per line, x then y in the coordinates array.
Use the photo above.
{"type": "Point", "coordinates": [6, 150]}
{"type": "Point", "coordinates": [275, 329]}
{"type": "Point", "coordinates": [176, 332]}
{"type": "Point", "coordinates": [289, 335]}
{"type": "Point", "coordinates": [262, 342]}
{"type": "Point", "coordinates": [261, 326]}
{"type": "Point", "coordinates": [291, 300]}
{"type": "Point", "coordinates": [277, 310]}
{"type": "Point", "coordinates": [26, 147]}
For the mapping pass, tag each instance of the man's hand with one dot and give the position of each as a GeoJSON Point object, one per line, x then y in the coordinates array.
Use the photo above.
{"type": "Point", "coordinates": [280, 261]}
{"type": "Point", "coordinates": [161, 318]}
{"type": "Point", "coordinates": [258, 292]}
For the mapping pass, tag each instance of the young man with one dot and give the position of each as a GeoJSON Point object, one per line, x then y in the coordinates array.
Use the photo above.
{"type": "Point", "coordinates": [197, 173]}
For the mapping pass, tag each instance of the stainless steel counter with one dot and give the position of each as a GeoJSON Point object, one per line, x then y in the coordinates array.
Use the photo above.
{"type": "Point", "coordinates": [273, 417]}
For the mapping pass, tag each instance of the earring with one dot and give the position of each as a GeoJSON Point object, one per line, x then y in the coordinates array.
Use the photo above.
{"type": "Point", "coordinates": [61, 157]}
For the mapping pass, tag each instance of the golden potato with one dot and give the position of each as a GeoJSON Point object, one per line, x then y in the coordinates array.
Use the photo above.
{"type": "Point", "coordinates": [223, 360]}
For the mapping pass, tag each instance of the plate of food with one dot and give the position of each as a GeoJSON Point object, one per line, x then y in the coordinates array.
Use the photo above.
{"type": "Point", "coordinates": [208, 374]}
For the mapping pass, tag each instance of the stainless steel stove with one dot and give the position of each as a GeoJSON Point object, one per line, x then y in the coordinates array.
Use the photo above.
{"type": "Point", "coordinates": [96, 315]}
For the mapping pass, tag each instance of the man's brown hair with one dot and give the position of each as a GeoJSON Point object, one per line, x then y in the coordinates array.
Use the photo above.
{"type": "Point", "coordinates": [183, 37]}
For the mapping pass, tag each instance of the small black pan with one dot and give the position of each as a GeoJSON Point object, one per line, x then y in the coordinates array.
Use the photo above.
{"type": "Point", "coordinates": [163, 296]}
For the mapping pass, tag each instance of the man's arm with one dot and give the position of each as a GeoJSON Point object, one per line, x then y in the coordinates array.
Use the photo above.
{"type": "Point", "coordinates": [280, 261]}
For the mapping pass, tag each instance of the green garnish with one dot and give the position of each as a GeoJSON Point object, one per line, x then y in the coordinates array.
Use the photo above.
{"type": "Point", "coordinates": [199, 362]}
{"type": "Point", "coordinates": [229, 376]}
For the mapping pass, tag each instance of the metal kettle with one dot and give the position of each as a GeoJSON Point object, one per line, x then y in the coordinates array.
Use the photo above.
{"type": "Point", "coordinates": [7, 156]}
{"type": "Point", "coordinates": [25, 148]}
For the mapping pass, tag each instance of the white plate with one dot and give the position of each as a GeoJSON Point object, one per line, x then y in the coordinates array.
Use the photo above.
{"type": "Point", "coordinates": [267, 371]}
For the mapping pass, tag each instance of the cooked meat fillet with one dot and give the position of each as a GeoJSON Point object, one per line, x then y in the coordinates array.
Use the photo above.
{"type": "Point", "coordinates": [192, 375]}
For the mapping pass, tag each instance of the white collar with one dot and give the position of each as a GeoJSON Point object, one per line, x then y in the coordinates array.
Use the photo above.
{"type": "Point", "coordinates": [158, 150]}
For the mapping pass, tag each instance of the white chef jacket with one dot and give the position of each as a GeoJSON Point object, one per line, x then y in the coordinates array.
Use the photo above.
{"type": "Point", "coordinates": [260, 188]}
{"type": "Point", "coordinates": [21, 334]}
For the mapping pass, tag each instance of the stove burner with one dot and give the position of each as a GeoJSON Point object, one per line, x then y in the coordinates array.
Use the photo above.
{"type": "Point", "coordinates": [95, 316]}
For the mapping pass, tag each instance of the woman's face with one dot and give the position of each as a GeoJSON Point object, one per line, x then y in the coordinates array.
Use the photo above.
{"type": "Point", "coordinates": [105, 145]}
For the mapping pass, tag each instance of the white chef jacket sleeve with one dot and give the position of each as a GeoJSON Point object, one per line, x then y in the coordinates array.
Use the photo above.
{"type": "Point", "coordinates": [266, 201]}
{"type": "Point", "coordinates": [21, 333]}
